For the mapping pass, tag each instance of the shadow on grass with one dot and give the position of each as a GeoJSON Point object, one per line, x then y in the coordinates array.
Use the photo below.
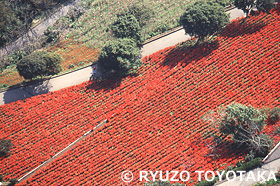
{"type": "Point", "coordinates": [243, 27]}
{"type": "Point", "coordinates": [186, 52]}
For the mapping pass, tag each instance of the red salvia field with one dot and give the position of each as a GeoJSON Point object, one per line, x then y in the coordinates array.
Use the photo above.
{"type": "Point", "coordinates": [154, 117]}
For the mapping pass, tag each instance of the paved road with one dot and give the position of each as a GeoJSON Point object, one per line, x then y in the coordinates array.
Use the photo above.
{"type": "Point", "coordinates": [83, 75]}
{"type": "Point", "coordinates": [37, 31]}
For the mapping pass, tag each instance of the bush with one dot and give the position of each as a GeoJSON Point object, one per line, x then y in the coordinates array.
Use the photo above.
{"type": "Point", "coordinates": [121, 56]}
{"type": "Point", "coordinates": [39, 64]}
{"type": "Point", "coordinates": [142, 13]}
{"type": "Point", "coordinates": [254, 163]}
{"type": "Point", "coordinates": [247, 6]}
{"type": "Point", "coordinates": [274, 115]}
{"type": "Point", "coordinates": [5, 146]}
{"type": "Point", "coordinates": [203, 19]}
{"type": "Point", "coordinates": [127, 26]}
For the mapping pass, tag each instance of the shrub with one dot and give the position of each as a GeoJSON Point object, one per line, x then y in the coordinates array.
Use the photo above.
{"type": "Point", "coordinates": [39, 64]}
{"type": "Point", "coordinates": [5, 146]}
{"type": "Point", "coordinates": [127, 26]}
{"type": "Point", "coordinates": [121, 56]}
{"type": "Point", "coordinates": [274, 115]}
{"type": "Point", "coordinates": [249, 165]}
{"type": "Point", "coordinates": [142, 13]}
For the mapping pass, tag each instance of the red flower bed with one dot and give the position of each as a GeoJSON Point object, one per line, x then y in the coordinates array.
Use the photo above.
{"type": "Point", "coordinates": [156, 115]}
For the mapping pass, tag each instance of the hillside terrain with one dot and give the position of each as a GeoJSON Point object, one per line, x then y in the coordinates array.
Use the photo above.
{"type": "Point", "coordinates": [154, 117]}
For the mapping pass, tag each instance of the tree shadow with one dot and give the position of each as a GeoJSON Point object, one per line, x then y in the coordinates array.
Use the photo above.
{"type": "Point", "coordinates": [15, 93]}
{"type": "Point", "coordinates": [106, 82]}
{"type": "Point", "coordinates": [186, 52]}
{"type": "Point", "coordinates": [243, 27]}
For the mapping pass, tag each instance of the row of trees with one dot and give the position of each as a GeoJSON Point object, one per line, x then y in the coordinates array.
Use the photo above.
{"type": "Point", "coordinates": [201, 19]}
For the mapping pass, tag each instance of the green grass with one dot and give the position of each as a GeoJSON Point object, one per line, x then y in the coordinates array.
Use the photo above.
{"type": "Point", "coordinates": [92, 28]}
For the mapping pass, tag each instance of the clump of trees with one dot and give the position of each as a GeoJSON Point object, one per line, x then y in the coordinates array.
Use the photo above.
{"type": "Point", "coordinates": [121, 56]}
{"type": "Point", "coordinates": [244, 124]}
{"type": "Point", "coordinates": [248, 5]}
{"type": "Point", "coordinates": [5, 146]}
{"type": "Point", "coordinates": [203, 19]}
{"type": "Point", "coordinates": [40, 63]}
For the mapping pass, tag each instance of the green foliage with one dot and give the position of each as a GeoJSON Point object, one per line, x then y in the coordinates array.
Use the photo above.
{"type": "Point", "coordinates": [203, 19]}
{"type": "Point", "coordinates": [161, 183]}
{"type": "Point", "coordinates": [5, 146]}
{"type": "Point", "coordinates": [264, 5]}
{"type": "Point", "coordinates": [249, 165]}
{"type": "Point", "coordinates": [142, 13]}
{"type": "Point", "coordinates": [52, 34]}
{"type": "Point", "coordinates": [206, 183]}
{"type": "Point", "coordinates": [39, 64]}
{"type": "Point", "coordinates": [127, 25]}
{"type": "Point", "coordinates": [16, 16]}
{"type": "Point", "coordinates": [269, 183]}
{"type": "Point", "coordinates": [121, 56]}
{"type": "Point", "coordinates": [247, 5]}
{"type": "Point", "coordinates": [238, 117]}
{"type": "Point", "coordinates": [244, 124]}
{"type": "Point", "coordinates": [274, 115]}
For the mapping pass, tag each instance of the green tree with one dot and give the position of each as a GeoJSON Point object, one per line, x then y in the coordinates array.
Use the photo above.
{"type": "Point", "coordinates": [5, 146]}
{"type": "Point", "coordinates": [127, 25]}
{"type": "Point", "coordinates": [247, 5]}
{"type": "Point", "coordinates": [244, 124]}
{"type": "Point", "coordinates": [264, 5]}
{"type": "Point", "coordinates": [39, 64]}
{"type": "Point", "coordinates": [121, 56]}
{"type": "Point", "coordinates": [142, 13]}
{"type": "Point", "coordinates": [203, 19]}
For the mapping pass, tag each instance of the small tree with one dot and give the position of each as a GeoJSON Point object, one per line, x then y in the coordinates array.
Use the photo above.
{"type": "Point", "coordinates": [203, 19]}
{"type": "Point", "coordinates": [244, 124]}
{"type": "Point", "coordinates": [142, 13]}
{"type": "Point", "coordinates": [248, 5]}
{"type": "Point", "coordinates": [39, 64]}
{"type": "Point", "coordinates": [121, 56]}
{"type": "Point", "coordinates": [5, 146]}
{"type": "Point", "coordinates": [127, 26]}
